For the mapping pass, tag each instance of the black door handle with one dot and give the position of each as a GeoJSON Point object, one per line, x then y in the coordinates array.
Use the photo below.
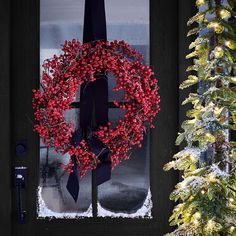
{"type": "Point", "coordinates": [20, 180]}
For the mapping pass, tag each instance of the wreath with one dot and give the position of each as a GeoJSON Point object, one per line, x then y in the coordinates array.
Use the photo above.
{"type": "Point", "coordinates": [79, 63]}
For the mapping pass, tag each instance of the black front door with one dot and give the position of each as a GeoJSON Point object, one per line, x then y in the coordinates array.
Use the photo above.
{"type": "Point", "coordinates": [135, 201]}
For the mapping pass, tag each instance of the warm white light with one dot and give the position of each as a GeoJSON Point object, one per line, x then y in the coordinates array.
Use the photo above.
{"type": "Point", "coordinates": [218, 28]}
{"type": "Point", "coordinates": [211, 78]}
{"type": "Point", "coordinates": [196, 222]}
{"type": "Point", "coordinates": [224, 13]}
{"type": "Point", "coordinates": [212, 177]}
{"type": "Point", "coordinates": [219, 52]}
{"type": "Point", "coordinates": [233, 79]}
{"type": "Point", "coordinates": [198, 215]}
{"type": "Point", "coordinates": [227, 43]}
{"type": "Point", "coordinates": [200, 2]}
{"type": "Point", "coordinates": [202, 192]}
{"type": "Point", "coordinates": [192, 121]}
{"type": "Point", "coordinates": [183, 184]}
{"type": "Point", "coordinates": [231, 199]}
{"type": "Point", "coordinates": [210, 223]}
{"type": "Point", "coordinates": [217, 111]}
{"type": "Point", "coordinates": [192, 158]}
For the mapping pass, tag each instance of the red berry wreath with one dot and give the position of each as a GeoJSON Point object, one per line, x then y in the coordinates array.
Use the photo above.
{"type": "Point", "coordinates": [78, 64]}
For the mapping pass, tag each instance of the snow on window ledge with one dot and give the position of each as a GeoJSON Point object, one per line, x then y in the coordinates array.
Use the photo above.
{"type": "Point", "coordinates": [144, 212]}
{"type": "Point", "coordinates": [44, 212]}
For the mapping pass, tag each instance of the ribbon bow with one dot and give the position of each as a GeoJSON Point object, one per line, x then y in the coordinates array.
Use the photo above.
{"type": "Point", "coordinates": [94, 103]}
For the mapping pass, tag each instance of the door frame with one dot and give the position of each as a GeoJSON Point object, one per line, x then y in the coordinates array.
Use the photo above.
{"type": "Point", "coordinates": [5, 160]}
{"type": "Point", "coordinates": [21, 58]}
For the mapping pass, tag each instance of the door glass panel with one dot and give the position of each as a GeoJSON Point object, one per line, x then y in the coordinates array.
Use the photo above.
{"type": "Point", "coordinates": [127, 194]}
{"type": "Point", "coordinates": [129, 21]}
{"type": "Point", "coordinates": [60, 20]}
{"type": "Point", "coordinates": [54, 199]}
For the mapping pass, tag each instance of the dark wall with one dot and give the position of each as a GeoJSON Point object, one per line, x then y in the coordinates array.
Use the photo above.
{"type": "Point", "coordinates": [169, 48]}
{"type": "Point", "coordinates": [5, 206]}
{"type": "Point", "coordinates": [164, 59]}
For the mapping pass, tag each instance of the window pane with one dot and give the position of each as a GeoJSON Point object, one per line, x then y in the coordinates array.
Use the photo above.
{"type": "Point", "coordinates": [128, 20]}
{"type": "Point", "coordinates": [60, 20]}
{"type": "Point", "coordinates": [127, 193]}
{"type": "Point", "coordinates": [54, 199]}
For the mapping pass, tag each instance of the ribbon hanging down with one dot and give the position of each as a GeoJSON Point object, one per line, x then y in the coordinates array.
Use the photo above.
{"type": "Point", "coordinates": [93, 102]}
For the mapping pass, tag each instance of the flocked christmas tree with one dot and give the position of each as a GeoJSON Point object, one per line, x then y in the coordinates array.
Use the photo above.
{"type": "Point", "coordinates": [207, 194]}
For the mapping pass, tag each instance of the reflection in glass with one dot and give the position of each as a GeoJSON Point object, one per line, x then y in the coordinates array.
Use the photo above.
{"type": "Point", "coordinates": [127, 194]}
{"type": "Point", "coordinates": [129, 185]}
{"type": "Point", "coordinates": [53, 195]}
{"type": "Point", "coordinates": [60, 20]}
{"type": "Point", "coordinates": [128, 189]}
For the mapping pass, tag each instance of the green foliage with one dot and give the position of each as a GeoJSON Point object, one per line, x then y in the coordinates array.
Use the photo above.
{"type": "Point", "coordinates": [207, 193]}
{"type": "Point", "coordinates": [192, 79]}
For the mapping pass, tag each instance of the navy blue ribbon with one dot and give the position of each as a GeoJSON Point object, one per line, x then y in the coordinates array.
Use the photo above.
{"type": "Point", "coordinates": [93, 102]}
